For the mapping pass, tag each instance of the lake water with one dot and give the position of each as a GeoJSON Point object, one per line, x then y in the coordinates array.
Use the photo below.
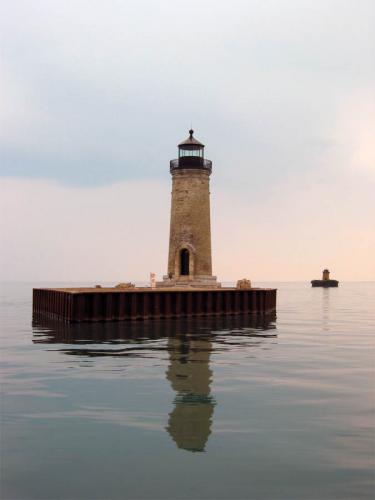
{"type": "Point", "coordinates": [233, 408]}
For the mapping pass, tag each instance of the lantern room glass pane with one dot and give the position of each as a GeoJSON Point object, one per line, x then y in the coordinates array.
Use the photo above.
{"type": "Point", "coordinates": [191, 152]}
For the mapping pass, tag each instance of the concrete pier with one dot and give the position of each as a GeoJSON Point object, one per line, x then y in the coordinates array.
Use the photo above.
{"type": "Point", "coordinates": [111, 304]}
{"type": "Point", "coordinates": [325, 283]}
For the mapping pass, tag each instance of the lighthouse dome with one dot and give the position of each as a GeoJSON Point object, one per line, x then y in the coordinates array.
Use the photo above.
{"type": "Point", "coordinates": [191, 142]}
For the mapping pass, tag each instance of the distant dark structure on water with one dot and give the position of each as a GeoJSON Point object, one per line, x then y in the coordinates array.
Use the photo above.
{"type": "Point", "coordinates": [325, 281]}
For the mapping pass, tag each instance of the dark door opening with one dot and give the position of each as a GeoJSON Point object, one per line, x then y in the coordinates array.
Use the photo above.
{"type": "Point", "coordinates": [184, 262]}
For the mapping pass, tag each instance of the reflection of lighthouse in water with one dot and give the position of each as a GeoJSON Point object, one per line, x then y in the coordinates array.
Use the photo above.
{"type": "Point", "coordinates": [189, 373]}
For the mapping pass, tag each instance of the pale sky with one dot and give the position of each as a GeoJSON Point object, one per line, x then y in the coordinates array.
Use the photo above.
{"type": "Point", "coordinates": [96, 95]}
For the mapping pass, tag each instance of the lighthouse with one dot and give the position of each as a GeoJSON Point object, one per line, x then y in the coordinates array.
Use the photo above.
{"type": "Point", "coordinates": [189, 257]}
{"type": "Point", "coordinates": [189, 288]}
{"type": "Point", "coordinates": [325, 281]}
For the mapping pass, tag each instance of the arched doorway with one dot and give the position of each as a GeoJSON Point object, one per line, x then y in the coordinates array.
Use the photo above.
{"type": "Point", "coordinates": [184, 262]}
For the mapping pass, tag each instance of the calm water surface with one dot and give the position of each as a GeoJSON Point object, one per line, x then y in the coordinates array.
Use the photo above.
{"type": "Point", "coordinates": [236, 408]}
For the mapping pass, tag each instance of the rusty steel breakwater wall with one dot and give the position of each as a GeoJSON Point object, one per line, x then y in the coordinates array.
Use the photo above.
{"type": "Point", "coordinates": [109, 304]}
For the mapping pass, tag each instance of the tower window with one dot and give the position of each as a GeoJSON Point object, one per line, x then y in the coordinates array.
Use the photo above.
{"type": "Point", "coordinates": [184, 262]}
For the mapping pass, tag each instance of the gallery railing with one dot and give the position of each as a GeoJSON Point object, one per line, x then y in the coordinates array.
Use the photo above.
{"type": "Point", "coordinates": [191, 162]}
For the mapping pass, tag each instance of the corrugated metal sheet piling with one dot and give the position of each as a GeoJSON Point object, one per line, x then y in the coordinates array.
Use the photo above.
{"type": "Point", "coordinates": [109, 304]}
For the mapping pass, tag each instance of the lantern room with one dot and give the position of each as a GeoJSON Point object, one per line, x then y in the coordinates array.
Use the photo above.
{"type": "Point", "coordinates": [191, 147]}
{"type": "Point", "coordinates": [191, 155]}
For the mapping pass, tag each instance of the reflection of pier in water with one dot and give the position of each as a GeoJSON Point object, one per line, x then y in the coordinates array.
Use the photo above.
{"type": "Point", "coordinates": [325, 309]}
{"type": "Point", "coordinates": [189, 346]}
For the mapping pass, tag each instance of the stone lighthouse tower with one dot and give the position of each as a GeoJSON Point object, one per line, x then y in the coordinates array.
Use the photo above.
{"type": "Point", "coordinates": [189, 260]}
